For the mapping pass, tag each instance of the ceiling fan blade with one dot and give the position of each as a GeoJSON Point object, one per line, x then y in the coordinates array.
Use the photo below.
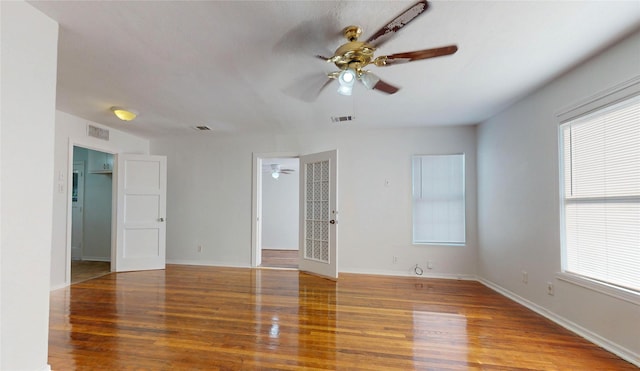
{"type": "Point", "coordinates": [372, 81]}
{"type": "Point", "coordinates": [399, 58]}
{"type": "Point", "coordinates": [308, 88]}
{"type": "Point", "coordinates": [397, 23]}
{"type": "Point", "coordinates": [310, 37]}
{"type": "Point", "coordinates": [385, 87]}
{"type": "Point", "coordinates": [326, 83]}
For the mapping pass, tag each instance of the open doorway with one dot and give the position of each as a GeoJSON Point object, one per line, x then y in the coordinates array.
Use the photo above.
{"type": "Point", "coordinates": [91, 202]}
{"type": "Point", "coordinates": [317, 212]}
{"type": "Point", "coordinates": [279, 208]}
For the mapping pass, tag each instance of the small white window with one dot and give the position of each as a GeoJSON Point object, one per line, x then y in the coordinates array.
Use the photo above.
{"type": "Point", "coordinates": [438, 199]}
{"type": "Point", "coordinates": [600, 170]}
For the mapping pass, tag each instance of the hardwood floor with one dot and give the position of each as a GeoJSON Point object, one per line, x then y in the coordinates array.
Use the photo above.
{"type": "Point", "coordinates": [280, 259]}
{"type": "Point", "coordinates": [208, 318]}
{"type": "Point", "coordinates": [82, 270]}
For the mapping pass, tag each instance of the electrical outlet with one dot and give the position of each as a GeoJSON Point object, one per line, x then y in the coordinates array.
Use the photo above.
{"type": "Point", "coordinates": [429, 264]}
{"type": "Point", "coordinates": [395, 260]}
{"type": "Point", "coordinates": [550, 289]}
{"type": "Point", "coordinates": [525, 277]}
{"type": "Point", "coordinates": [199, 248]}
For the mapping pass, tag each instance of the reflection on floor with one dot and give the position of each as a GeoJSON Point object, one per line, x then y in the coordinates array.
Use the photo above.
{"type": "Point", "coordinates": [82, 270]}
{"type": "Point", "coordinates": [280, 259]}
{"type": "Point", "coordinates": [214, 318]}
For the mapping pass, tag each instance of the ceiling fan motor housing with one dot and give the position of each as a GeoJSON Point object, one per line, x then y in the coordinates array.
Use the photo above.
{"type": "Point", "coordinates": [354, 54]}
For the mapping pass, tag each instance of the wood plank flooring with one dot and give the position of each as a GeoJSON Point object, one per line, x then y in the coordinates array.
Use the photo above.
{"type": "Point", "coordinates": [280, 259]}
{"type": "Point", "coordinates": [208, 318]}
{"type": "Point", "coordinates": [82, 270]}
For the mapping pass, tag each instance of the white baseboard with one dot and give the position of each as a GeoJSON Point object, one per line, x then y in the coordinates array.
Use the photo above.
{"type": "Point", "coordinates": [96, 258]}
{"type": "Point", "coordinates": [207, 263]}
{"type": "Point", "coordinates": [614, 348]}
{"type": "Point", "coordinates": [411, 273]}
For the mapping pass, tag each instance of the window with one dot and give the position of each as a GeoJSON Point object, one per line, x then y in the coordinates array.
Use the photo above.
{"type": "Point", "coordinates": [438, 199]}
{"type": "Point", "coordinates": [600, 189]}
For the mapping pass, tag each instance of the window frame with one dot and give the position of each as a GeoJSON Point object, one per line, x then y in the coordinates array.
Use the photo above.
{"type": "Point", "coordinates": [619, 93]}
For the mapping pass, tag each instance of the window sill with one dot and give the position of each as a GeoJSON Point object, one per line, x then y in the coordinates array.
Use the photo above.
{"type": "Point", "coordinates": [439, 244]}
{"type": "Point", "coordinates": [627, 295]}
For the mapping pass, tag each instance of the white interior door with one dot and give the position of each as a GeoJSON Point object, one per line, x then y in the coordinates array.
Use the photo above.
{"type": "Point", "coordinates": [319, 214]}
{"type": "Point", "coordinates": [140, 212]}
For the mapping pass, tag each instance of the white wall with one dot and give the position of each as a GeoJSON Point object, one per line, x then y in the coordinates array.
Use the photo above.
{"type": "Point", "coordinates": [280, 206]}
{"type": "Point", "coordinates": [209, 196]}
{"type": "Point", "coordinates": [72, 130]}
{"type": "Point", "coordinates": [518, 198]}
{"type": "Point", "coordinates": [29, 57]}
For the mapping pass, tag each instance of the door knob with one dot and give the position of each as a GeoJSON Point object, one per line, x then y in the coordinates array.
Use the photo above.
{"type": "Point", "coordinates": [161, 219]}
{"type": "Point", "coordinates": [332, 221]}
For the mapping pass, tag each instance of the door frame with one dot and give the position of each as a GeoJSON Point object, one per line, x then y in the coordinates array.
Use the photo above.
{"type": "Point", "coordinates": [79, 142]}
{"type": "Point", "coordinates": [256, 202]}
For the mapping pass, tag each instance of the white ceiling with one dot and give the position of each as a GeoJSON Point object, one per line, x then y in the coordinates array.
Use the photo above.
{"type": "Point", "coordinates": [242, 66]}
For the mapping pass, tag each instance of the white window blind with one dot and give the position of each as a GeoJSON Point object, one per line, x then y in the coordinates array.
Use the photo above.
{"type": "Point", "coordinates": [438, 199]}
{"type": "Point", "coordinates": [601, 194]}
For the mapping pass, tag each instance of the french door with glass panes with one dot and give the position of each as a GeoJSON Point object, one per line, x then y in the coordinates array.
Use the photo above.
{"type": "Point", "coordinates": [319, 214]}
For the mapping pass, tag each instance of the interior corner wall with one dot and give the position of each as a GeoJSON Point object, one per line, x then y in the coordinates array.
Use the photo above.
{"type": "Point", "coordinates": [209, 196]}
{"type": "Point", "coordinates": [72, 130]}
{"type": "Point", "coordinates": [518, 202]}
{"type": "Point", "coordinates": [28, 74]}
{"type": "Point", "coordinates": [280, 205]}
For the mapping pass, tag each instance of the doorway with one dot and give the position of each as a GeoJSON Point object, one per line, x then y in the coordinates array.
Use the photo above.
{"type": "Point", "coordinates": [275, 211]}
{"type": "Point", "coordinates": [317, 211]}
{"type": "Point", "coordinates": [91, 201]}
{"type": "Point", "coordinates": [280, 206]}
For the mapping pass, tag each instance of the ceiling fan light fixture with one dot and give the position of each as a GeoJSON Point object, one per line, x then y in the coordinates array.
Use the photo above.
{"type": "Point", "coordinates": [345, 90]}
{"type": "Point", "coordinates": [346, 79]}
{"type": "Point", "coordinates": [275, 171]}
{"type": "Point", "coordinates": [124, 114]}
{"type": "Point", "coordinates": [369, 80]}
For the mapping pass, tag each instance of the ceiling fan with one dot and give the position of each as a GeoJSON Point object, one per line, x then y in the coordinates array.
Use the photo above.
{"type": "Point", "coordinates": [276, 170]}
{"type": "Point", "coordinates": [353, 56]}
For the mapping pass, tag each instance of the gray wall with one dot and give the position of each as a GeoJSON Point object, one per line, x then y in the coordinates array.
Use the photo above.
{"type": "Point", "coordinates": [209, 196]}
{"type": "Point", "coordinates": [518, 203]}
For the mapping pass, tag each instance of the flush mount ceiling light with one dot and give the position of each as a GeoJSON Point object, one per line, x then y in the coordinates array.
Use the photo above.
{"type": "Point", "coordinates": [124, 114]}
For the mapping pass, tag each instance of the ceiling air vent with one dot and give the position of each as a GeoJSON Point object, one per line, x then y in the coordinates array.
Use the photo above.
{"type": "Point", "coordinates": [96, 132]}
{"type": "Point", "coordinates": [202, 128]}
{"type": "Point", "coordinates": [342, 118]}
